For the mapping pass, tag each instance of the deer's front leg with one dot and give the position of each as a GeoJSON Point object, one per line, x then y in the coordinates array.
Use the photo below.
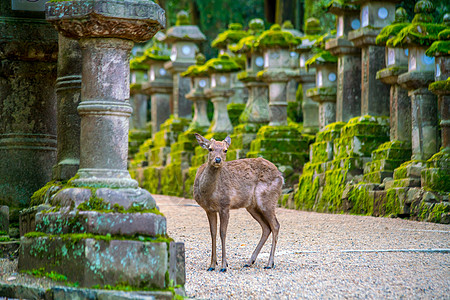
{"type": "Point", "coordinates": [224, 217]}
{"type": "Point", "coordinates": [212, 218]}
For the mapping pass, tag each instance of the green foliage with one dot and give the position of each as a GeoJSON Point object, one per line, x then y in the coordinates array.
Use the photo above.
{"type": "Point", "coordinates": [439, 48]}
{"type": "Point", "coordinates": [389, 32]}
{"type": "Point", "coordinates": [4, 239]}
{"type": "Point", "coordinates": [321, 57]}
{"type": "Point", "coordinates": [318, 9]}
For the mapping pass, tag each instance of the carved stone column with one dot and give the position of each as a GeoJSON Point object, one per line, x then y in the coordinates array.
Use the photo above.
{"type": "Point", "coordinates": [348, 98]}
{"type": "Point", "coordinates": [28, 54]}
{"type": "Point", "coordinates": [68, 92]}
{"type": "Point", "coordinates": [122, 232]}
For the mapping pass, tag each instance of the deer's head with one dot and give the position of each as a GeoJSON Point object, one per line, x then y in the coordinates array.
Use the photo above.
{"type": "Point", "coordinates": [217, 150]}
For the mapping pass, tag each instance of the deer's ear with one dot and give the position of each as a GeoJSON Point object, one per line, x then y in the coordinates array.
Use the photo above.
{"type": "Point", "coordinates": [204, 143]}
{"type": "Point", "coordinates": [227, 140]}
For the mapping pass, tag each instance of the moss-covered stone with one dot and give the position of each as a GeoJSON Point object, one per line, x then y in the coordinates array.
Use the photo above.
{"type": "Point", "coordinates": [436, 177]}
{"type": "Point", "coordinates": [277, 38]}
{"type": "Point", "coordinates": [312, 26]}
{"type": "Point", "coordinates": [234, 112]}
{"type": "Point", "coordinates": [390, 31]}
{"type": "Point", "coordinates": [230, 36]}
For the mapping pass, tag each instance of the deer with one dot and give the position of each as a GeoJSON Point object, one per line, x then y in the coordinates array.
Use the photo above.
{"type": "Point", "coordinates": [251, 183]}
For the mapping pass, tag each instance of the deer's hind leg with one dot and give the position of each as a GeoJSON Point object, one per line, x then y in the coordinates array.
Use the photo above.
{"type": "Point", "coordinates": [256, 214]}
{"type": "Point", "coordinates": [275, 228]}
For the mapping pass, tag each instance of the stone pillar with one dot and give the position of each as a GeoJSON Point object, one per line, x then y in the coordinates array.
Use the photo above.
{"type": "Point", "coordinates": [292, 85]}
{"type": "Point", "coordinates": [225, 39]}
{"type": "Point", "coordinates": [375, 15]}
{"type": "Point", "coordinates": [436, 177]}
{"type": "Point", "coordinates": [68, 92]}
{"type": "Point", "coordinates": [348, 98]}
{"type": "Point", "coordinates": [160, 89]}
{"type": "Point", "coordinates": [110, 253]}
{"type": "Point", "coordinates": [138, 100]}
{"type": "Point", "coordinates": [199, 83]}
{"type": "Point", "coordinates": [28, 53]}
{"type": "Point", "coordinates": [219, 93]}
{"type": "Point", "coordinates": [325, 91]}
{"type": "Point", "coordinates": [424, 113]}
{"type": "Point", "coordinates": [184, 39]}
{"type": "Point", "coordinates": [306, 77]}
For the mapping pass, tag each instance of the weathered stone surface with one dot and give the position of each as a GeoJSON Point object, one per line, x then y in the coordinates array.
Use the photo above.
{"type": "Point", "coordinates": [134, 20]}
{"type": "Point", "coordinates": [99, 223]}
{"type": "Point", "coordinates": [219, 97]}
{"type": "Point", "coordinates": [28, 50]}
{"type": "Point", "coordinates": [27, 218]}
{"type": "Point", "coordinates": [177, 269]}
{"type": "Point", "coordinates": [68, 93]}
{"type": "Point", "coordinates": [90, 262]}
{"type": "Point", "coordinates": [17, 291]}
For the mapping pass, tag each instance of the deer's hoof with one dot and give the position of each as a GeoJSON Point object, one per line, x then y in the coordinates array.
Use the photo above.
{"type": "Point", "coordinates": [223, 270]}
{"type": "Point", "coordinates": [246, 266]}
{"type": "Point", "coordinates": [210, 269]}
{"type": "Point", "coordinates": [268, 268]}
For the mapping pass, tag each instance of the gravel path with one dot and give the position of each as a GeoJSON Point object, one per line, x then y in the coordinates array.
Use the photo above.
{"type": "Point", "coordinates": [319, 256]}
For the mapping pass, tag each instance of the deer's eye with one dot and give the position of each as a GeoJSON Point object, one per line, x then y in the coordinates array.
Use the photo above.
{"type": "Point", "coordinates": [225, 150]}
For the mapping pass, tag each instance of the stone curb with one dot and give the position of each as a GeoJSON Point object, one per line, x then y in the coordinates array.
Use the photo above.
{"type": "Point", "coordinates": [18, 291]}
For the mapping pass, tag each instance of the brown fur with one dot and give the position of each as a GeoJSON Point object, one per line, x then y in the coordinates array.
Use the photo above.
{"type": "Point", "coordinates": [252, 183]}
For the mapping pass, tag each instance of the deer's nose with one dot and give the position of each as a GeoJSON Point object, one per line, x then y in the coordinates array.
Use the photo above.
{"type": "Point", "coordinates": [218, 160]}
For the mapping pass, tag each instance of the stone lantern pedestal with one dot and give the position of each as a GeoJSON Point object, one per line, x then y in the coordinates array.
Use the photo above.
{"type": "Point", "coordinates": [103, 229]}
{"type": "Point", "coordinates": [325, 91]}
{"type": "Point", "coordinates": [278, 142]}
{"type": "Point", "coordinates": [140, 130]}
{"type": "Point", "coordinates": [348, 98]}
{"type": "Point", "coordinates": [306, 77]}
{"type": "Point", "coordinates": [436, 175]}
{"type": "Point", "coordinates": [424, 112]}
{"type": "Point", "coordinates": [28, 105]}
{"type": "Point", "coordinates": [398, 150]}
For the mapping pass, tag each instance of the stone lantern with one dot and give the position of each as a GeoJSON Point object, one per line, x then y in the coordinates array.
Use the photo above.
{"type": "Point", "coordinates": [398, 150]}
{"type": "Point", "coordinates": [223, 41]}
{"type": "Point", "coordinates": [158, 85]}
{"type": "Point", "coordinates": [184, 38]}
{"type": "Point", "coordinates": [348, 98]}
{"type": "Point", "coordinates": [276, 45]}
{"type": "Point", "coordinates": [436, 176]}
{"type": "Point", "coordinates": [278, 142]}
{"type": "Point", "coordinates": [103, 229]}
{"type": "Point", "coordinates": [375, 14]}
{"type": "Point", "coordinates": [424, 114]}
{"type": "Point", "coordinates": [292, 86]}
{"type": "Point", "coordinates": [310, 108]}
{"type": "Point", "coordinates": [199, 83]}
{"type": "Point", "coordinates": [325, 91]}
{"type": "Point", "coordinates": [256, 112]}
{"type": "Point", "coordinates": [221, 70]}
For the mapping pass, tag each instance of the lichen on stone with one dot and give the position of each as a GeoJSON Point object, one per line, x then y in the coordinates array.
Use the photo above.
{"type": "Point", "coordinates": [320, 57]}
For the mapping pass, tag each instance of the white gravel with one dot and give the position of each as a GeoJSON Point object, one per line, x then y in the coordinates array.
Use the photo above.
{"type": "Point", "coordinates": [319, 256]}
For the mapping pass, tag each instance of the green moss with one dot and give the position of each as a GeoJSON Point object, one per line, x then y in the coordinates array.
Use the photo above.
{"type": "Point", "coordinates": [182, 19]}
{"type": "Point", "coordinates": [137, 63]}
{"type": "Point", "coordinates": [389, 32]}
{"type": "Point", "coordinates": [362, 203]}
{"type": "Point", "coordinates": [322, 91]}
{"type": "Point", "coordinates": [42, 273]}
{"type": "Point", "coordinates": [423, 34]}
{"type": "Point", "coordinates": [223, 64]}
{"type": "Point", "coordinates": [156, 53]}
{"type": "Point", "coordinates": [277, 38]}
{"type": "Point", "coordinates": [136, 87]}
{"type": "Point", "coordinates": [308, 187]}
{"type": "Point", "coordinates": [320, 57]}
{"type": "Point", "coordinates": [432, 212]}
{"type": "Point", "coordinates": [230, 36]}
{"type": "Point", "coordinates": [321, 40]}
{"type": "Point", "coordinates": [312, 26]}
{"type": "Point", "coordinates": [392, 204]}
{"type": "Point", "coordinates": [439, 48]}
{"type": "Point", "coordinates": [443, 85]}
{"type": "Point", "coordinates": [234, 111]}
